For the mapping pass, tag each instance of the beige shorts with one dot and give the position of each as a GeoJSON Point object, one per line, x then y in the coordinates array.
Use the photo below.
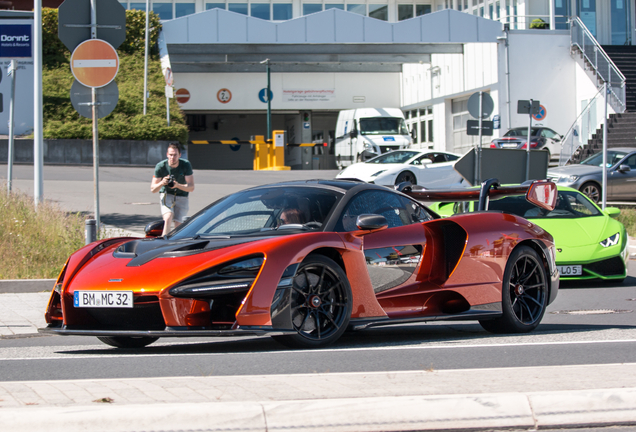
{"type": "Point", "coordinates": [178, 205]}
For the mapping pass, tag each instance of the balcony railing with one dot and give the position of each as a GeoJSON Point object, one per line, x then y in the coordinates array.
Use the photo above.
{"type": "Point", "coordinates": [599, 62]}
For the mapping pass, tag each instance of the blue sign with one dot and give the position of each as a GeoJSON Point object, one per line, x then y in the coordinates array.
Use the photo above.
{"type": "Point", "coordinates": [541, 114]}
{"type": "Point", "coordinates": [496, 122]}
{"type": "Point", "coordinates": [16, 40]}
{"type": "Point", "coordinates": [388, 138]}
{"type": "Point", "coordinates": [262, 95]}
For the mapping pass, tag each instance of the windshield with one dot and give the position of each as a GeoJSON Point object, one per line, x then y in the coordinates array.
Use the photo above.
{"type": "Point", "coordinates": [397, 157]}
{"type": "Point", "coordinates": [570, 204]}
{"type": "Point", "coordinates": [523, 132]}
{"type": "Point", "coordinates": [613, 157]}
{"type": "Point", "coordinates": [262, 210]}
{"type": "Point", "coordinates": [383, 126]}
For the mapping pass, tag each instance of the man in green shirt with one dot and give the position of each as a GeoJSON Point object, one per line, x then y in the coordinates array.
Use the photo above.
{"type": "Point", "coordinates": [173, 180]}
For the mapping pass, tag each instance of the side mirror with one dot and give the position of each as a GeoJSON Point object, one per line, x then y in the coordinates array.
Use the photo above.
{"type": "Point", "coordinates": [612, 211]}
{"type": "Point", "coordinates": [624, 168]}
{"type": "Point", "coordinates": [353, 133]}
{"type": "Point", "coordinates": [154, 229]}
{"type": "Point", "coordinates": [414, 134]}
{"type": "Point", "coordinates": [542, 194]}
{"type": "Point", "coordinates": [371, 222]}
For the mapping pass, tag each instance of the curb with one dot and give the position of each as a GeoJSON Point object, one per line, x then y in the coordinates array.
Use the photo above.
{"type": "Point", "coordinates": [402, 413]}
{"type": "Point", "coordinates": [26, 285]}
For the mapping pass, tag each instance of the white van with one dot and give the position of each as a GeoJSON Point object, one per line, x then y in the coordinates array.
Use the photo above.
{"type": "Point", "coordinates": [368, 132]}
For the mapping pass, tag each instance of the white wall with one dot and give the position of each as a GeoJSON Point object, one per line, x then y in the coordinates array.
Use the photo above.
{"type": "Point", "coordinates": [314, 91]}
{"type": "Point", "coordinates": [541, 68]}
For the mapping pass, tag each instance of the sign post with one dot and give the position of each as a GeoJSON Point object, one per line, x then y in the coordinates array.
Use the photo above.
{"type": "Point", "coordinates": [480, 106]}
{"type": "Point", "coordinates": [529, 107]}
{"type": "Point", "coordinates": [169, 94]}
{"type": "Point", "coordinates": [91, 31]}
{"type": "Point", "coordinates": [11, 72]}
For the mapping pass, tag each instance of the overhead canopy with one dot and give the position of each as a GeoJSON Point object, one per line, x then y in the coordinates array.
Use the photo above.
{"type": "Point", "coordinates": [330, 41]}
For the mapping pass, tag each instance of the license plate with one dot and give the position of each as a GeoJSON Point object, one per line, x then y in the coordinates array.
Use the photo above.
{"type": "Point", "coordinates": [103, 299]}
{"type": "Point", "coordinates": [570, 270]}
{"type": "Point", "coordinates": [509, 145]}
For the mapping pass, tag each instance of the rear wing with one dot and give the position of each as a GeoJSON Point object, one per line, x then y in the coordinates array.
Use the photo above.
{"type": "Point", "coordinates": [541, 193]}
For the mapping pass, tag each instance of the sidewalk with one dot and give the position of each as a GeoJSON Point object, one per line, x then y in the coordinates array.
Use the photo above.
{"type": "Point", "coordinates": [481, 399]}
{"type": "Point", "coordinates": [475, 399]}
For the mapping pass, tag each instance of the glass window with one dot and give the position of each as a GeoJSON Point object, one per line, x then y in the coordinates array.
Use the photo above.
{"type": "Point", "coordinates": [380, 12]}
{"type": "Point", "coordinates": [164, 10]}
{"type": "Point", "coordinates": [422, 9]}
{"type": "Point", "coordinates": [405, 12]}
{"type": "Point", "coordinates": [261, 10]}
{"type": "Point", "coordinates": [382, 203]}
{"type": "Point", "coordinates": [334, 6]}
{"type": "Point", "coordinates": [209, 6]}
{"type": "Point", "coordinates": [423, 130]}
{"type": "Point", "coordinates": [238, 8]}
{"type": "Point", "coordinates": [124, 4]}
{"type": "Point", "coordinates": [282, 11]}
{"type": "Point", "coordinates": [360, 9]}
{"type": "Point", "coordinates": [183, 9]}
{"type": "Point", "coordinates": [309, 8]}
{"type": "Point", "coordinates": [430, 131]}
{"type": "Point", "coordinates": [138, 6]}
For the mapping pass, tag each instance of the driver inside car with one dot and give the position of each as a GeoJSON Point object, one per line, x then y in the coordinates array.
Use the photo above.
{"type": "Point", "coordinates": [290, 215]}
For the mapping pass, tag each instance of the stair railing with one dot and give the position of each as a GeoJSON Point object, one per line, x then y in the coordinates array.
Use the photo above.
{"type": "Point", "coordinates": [581, 131]}
{"type": "Point", "coordinates": [598, 59]}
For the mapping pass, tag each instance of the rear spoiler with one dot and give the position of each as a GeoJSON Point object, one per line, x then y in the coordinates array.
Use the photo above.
{"type": "Point", "coordinates": [541, 193]}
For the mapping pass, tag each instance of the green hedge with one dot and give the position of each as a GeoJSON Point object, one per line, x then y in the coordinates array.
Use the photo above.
{"type": "Point", "coordinates": [127, 121]}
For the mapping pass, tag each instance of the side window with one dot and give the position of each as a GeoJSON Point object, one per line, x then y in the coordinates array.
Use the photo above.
{"type": "Point", "coordinates": [414, 211]}
{"type": "Point", "coordinates": [386, 204]}
{"type": "Point", "coordinates": [631, 161]}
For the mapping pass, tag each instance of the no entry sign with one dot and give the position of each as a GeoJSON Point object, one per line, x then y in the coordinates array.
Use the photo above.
{"type": "Point", "coordinates": [94, 63]}
{"type": "Point", "coordinates": [183, 95]}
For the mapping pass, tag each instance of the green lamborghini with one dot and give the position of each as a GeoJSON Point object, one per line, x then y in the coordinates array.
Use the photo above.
{"type": "Point", "coordinates": [590, 243]}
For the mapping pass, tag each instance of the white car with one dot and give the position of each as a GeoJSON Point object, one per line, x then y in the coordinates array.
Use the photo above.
{"type": "Point", "coordinates": [431, 169]}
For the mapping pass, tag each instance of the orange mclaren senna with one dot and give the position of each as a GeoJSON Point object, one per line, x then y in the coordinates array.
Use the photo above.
{"type": "Point", "coordinates": [304, 261]}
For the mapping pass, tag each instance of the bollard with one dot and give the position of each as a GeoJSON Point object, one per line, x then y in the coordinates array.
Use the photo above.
{"type": "Point", "coordinates": [91, 230]}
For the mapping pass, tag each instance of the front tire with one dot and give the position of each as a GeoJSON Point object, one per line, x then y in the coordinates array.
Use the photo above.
{"type": "Point", "coordinates": [320, 304]}
{"type": "Point", "coordinates": [592, 190]}
{"type": "Point", "coordinates": [406, 176]}
{"type": "Point", "coordinates": [127, 342]}
{"type": "Point", "coordinates": [524, 295]}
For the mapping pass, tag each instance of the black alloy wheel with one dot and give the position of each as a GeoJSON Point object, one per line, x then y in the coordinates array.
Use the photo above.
{"type": "Point", "coordinates": [320, 304]}
{"type": "Point", "coordinates": [524, 293]}
{"type": "Point", "coordinates": [592, 190]}
{"type": "Point", "coordinates": [406, 176]}
{"type": "Point", "coordinates": [126, 341]}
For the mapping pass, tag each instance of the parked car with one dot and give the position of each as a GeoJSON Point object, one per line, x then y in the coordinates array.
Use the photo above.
{"type": "Point", "coordinates": [590, 243]}
{"type": "Point", "coordinates": [303, 262]}
{"type": "Point", "coordinates": [587, 176]}
{"type": "Point", "coordinates": [541, 138]}
{"type": "Point", "coordinates": [431, 169]}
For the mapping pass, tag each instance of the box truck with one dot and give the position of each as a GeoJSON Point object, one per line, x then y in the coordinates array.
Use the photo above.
{"type": "Point", "coordinates": [368, 132]}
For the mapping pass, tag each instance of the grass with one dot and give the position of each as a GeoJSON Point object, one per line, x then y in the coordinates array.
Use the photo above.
{"type": "Point", "coordinates": [35, 244]}
{"type": "Point", "coordinates": [628, 218]}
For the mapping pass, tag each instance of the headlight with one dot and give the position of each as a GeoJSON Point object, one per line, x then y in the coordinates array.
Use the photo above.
{"type": "Point", "coordinates": [378, 173]}
{"type": "Point", "coordinates": [368, 146]}
{"type": "Point", "coordinates": [232, 278]}
{"type": "Point", "coordinates": [611, 240]}
{"type": "Point", "coordinates": [568, 179]}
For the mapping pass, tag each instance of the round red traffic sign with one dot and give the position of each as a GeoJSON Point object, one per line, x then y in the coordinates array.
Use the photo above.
{"type": "Point", "coordinates": [183, 95]}
{"type": "Point", "coordinates": [224, 95]}
{"type": "Point", "coordinates": [94, 63]}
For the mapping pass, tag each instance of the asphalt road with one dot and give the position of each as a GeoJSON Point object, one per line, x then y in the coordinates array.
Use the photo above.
{"type": "Point", "coordinates": [125, 199]}
{"type": "Point", "coordinates": [588, 324]}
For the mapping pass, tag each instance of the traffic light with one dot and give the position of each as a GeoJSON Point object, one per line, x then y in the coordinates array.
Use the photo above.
{"type": "Point", "coordinates": [306, 116]}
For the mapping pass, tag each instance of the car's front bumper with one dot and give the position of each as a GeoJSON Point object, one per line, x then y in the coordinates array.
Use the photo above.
{"type": "Point", "coordinates": [605, 269]}
{"type": "Point", "coordinates": [168, 332]}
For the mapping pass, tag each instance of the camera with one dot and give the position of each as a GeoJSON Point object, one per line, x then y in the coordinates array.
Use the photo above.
{"type": "Point", "coordinates": [171, 181]}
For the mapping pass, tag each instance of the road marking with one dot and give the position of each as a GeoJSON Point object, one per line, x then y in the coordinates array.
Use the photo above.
{"type": "Point", "coordinates": [287, 352]}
